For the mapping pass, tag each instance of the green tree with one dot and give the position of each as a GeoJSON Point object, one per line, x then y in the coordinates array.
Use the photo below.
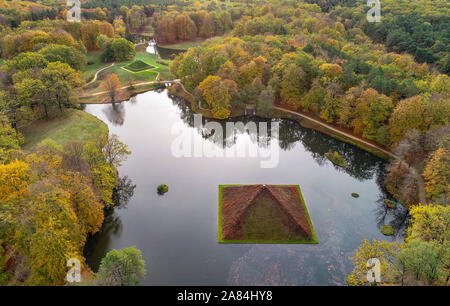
{"type": "Point", "coordinates": [265, 100]}
{"type": "Point", "coordinates": [115, 151]}
{"type": "Point", "coordinates": [122, 49]}
{"type": "Point", "coordinates": [64, 54]}
{"type": "Point", "coordinates": [425, 260]}
{"type": "Point", "coordinates": [372, 112]}
{"type": "Point", "coordinates": [121, 268]}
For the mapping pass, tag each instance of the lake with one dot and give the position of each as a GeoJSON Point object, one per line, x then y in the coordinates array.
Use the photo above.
{"type": "Point", "coordinates": [177, 232]}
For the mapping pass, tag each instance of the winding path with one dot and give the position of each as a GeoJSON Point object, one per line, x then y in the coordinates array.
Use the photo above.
{"type": "Point", "coordinates": [96, 74]}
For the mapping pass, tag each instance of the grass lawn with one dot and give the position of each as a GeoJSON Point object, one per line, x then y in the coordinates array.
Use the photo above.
{"type": "Point", "coordinates": [94, 63]}
{"type": "Point", "coordinates": [267, 220]}
{"type": "Point", "coordinates": [73, 125]}
{"type": "Point", "coordinates": [161, 69]}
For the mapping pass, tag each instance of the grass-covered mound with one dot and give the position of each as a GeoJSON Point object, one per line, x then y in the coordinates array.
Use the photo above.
{"type": "Point", "coordinates": [138, 65]}
{"type": "Point", "coordinates": [263, 214]}
{"type": "Point", "coordinates": [73, 125]}
{"type": "Point", "coordinates": [336, 159]}
{"type": "Point", "coordinates": [162, 189]}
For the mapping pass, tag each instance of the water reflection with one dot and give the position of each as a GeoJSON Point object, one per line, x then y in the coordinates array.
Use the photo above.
{"type": "Point", "coordinates": [123, 192]}
{"type": "Point", "coordinates": [177, 233]}
{"type": "Point", "coordinates": [360, 164]}
{"type": "Point", "coordinates": [97, 244]}
{"type": "Point", "coordinates": [115, 112]}
{"type": "Point", "coordinates": [397, 217]}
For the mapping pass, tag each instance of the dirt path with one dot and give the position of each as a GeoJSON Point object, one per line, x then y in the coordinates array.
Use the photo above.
{"type": "Point", "coordinates": [327, 126]}
{"type": "Point", "coordinates": [96, 74]}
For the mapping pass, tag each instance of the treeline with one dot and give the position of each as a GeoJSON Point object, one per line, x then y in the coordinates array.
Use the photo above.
{"type": "Point", "coordinates": [13, 13]}
{"type": "Point", "coordinates": [420, 28]}
{"type": "Point", "coordinates": [134, 16]}
{"type": "Point", "coordinates": [336, 74]}
{"type": "Point", "coordinates": [171, 28]}
{"type": "Point", "coordinates": [51, 198]}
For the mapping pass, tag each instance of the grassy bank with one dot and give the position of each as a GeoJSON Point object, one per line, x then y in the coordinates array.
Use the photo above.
{"type": "Point", "coordinates": [311, 125]}
{"type": "Point", "coordinates": [73, 125]}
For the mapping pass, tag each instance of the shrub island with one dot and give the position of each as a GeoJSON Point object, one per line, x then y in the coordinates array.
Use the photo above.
{"type": "Point", "coordinates": [336, 159]}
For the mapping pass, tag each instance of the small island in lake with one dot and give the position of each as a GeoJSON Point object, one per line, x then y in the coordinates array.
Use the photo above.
{"type": "Point", "coordinates": [162, 189]}
{"type": "Point", "coordinates": [336, 159]}
{"type": "Point", "coordinates": [263, 214]}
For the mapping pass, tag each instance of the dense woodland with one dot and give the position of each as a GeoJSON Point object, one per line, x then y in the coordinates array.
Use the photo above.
{"type": "Point", "coordinates": [386, 82]}
{"type": "Point", "coordinates": [53, 196]}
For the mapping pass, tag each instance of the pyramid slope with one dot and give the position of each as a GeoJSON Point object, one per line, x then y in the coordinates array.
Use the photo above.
{"type": "Point", "coordinates": [239, 203]}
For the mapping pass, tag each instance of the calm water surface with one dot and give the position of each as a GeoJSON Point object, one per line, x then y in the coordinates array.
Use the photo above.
{"type": "Point", "coordinates": [177, 232]}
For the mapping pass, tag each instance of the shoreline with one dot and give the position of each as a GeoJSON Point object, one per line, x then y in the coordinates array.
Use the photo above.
{"type": "Point", "coordinates": [278, 112]}
{"type": "Point", "coordinates": [303, 119]}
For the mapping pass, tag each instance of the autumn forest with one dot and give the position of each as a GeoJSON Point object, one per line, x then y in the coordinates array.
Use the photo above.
{"type": "Point", "coordinates": [380, 86]}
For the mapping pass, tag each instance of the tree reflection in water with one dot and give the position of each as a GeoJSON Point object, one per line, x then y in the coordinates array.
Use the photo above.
{"type": "Point", "coordinates": [123, 192]}
{"type": "Point", "coordinates": [115, 112]}
{"type": "Point", "coordinates": [397, 217]}
{"type": "Point", "coordinates": [112, 224]}
{"type": "Point", "coordinates": [361, 165]}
